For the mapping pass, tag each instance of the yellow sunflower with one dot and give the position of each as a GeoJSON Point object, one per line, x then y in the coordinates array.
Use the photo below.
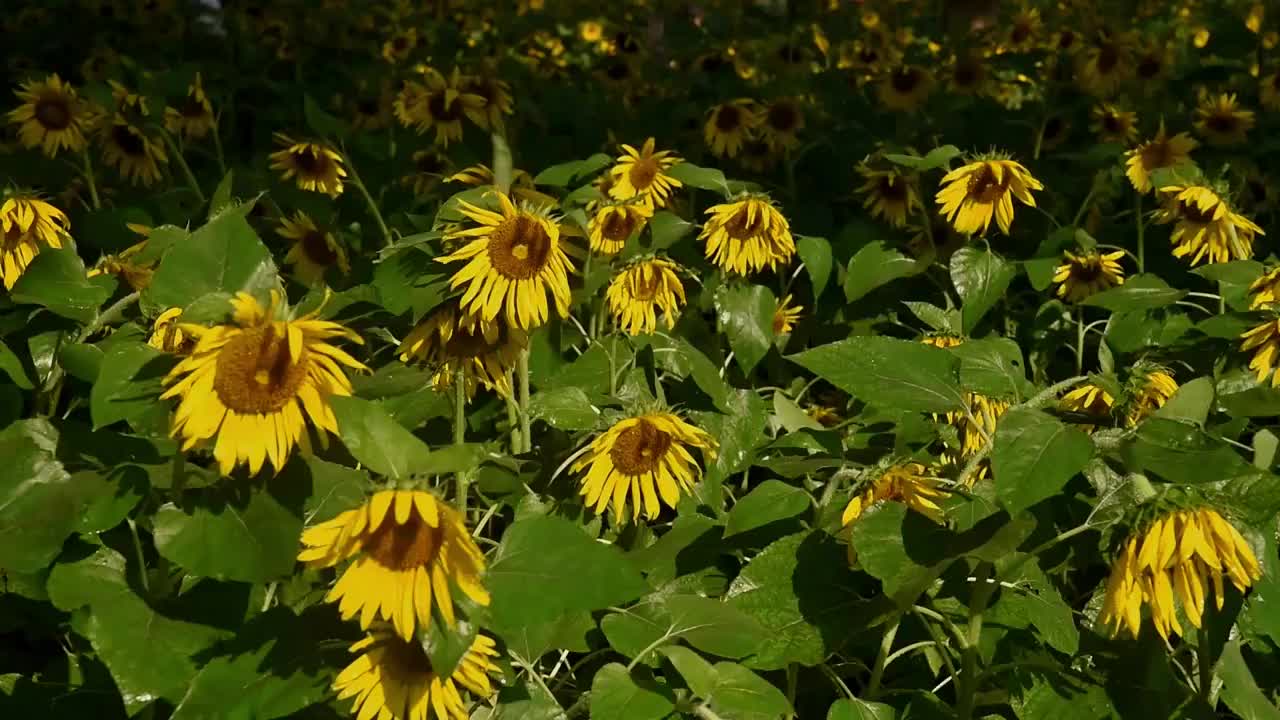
{"type": "Point", "coordinates": [410, 551]}
{"type": "Point", "coordinates": [640, 290]}
{"type": "Point", "coordinates": [1206, 228]}
{"type": "Point", "coordinates": [647, 456]}
{"type": "Point", "coordinates": [1269, 91]}
{"type": "Point", "coordinates": [758, 155]}
{"type": "Point", "coordinates": [1024, 29]}
{"type": "Point", "coordinates": [397, 48]}
{"type": "Point", "coordinates": [483, 351]}
{"type": "Point", "coordinates": [442, 104]}
{"type": "Point", "coordinates": [978, 425]}
{"type": "Point", "coordinates": [889, 194]}
{"type": "Point", "coordinates": [1113, 124]}
{"type": "Point", "coordinates": [393, 679]}
{"type": "Point", "coordinates": [643, 174]}
{"type": "Point", "coordinates": [313, 251]}
{"type": "Point", "coordinates": [317, 167]}
{"type": "Point", "coordinates": [371, 107]}
{"type": "Point", "coordinates": [124, 266]}
{"type": "Point", "coordinates": [967, 75]}
{"type": "Point", "coordinates": [522, 185]}
{"type": "Point", "coordinates": [194, 117]}
{"type": "Point", "coordinates": [496, 94]}
{"type": "Point", "coordinates": [747, 235]}
{"type": "Point", "coordinates": [51, 117]}
{"type": "Point", "coordinates": [905, 88]}
{"type": "Point", "coordinates": [1084, 274]}
{"type": "Point", "coordinates": [909, 483]}
{"type": "Point", "coordinates": [136, 155]}
{"type": "Point", "coordinates": [1104, 65]}
{"type": "Point", "coordinates": [429, 168]}
{"type": "Point", "coordinates": [1091, 400]}
{"type": "Point", "coordinates": [1150, 64]}
{"type": "Point", "coordinates": [780, 122]}
{"type": "Point", "coordinates": [1265, 291]}
{"type": "Point", "coordinates": [1182, 554]}
{"type": "Point", "coordinates": [971, 195]}
{"type": "Point", "coordinates": [1264, 341]}
{"type": "Point", "coordinates": [167, 335]}
{"type": "Point", "coordinates": [513, 259]}
{"type": "Point", "coordinates": [1161, 151]}
{"type": "Point", "coordinates": [1149, 388]}
{"type": "Point", "coordinates": [786, 316]}
{"type": "Point", "coordinates": [1221, 121]}
{"type": "Point", "coordinates": [613, 225]}
{"type": "Point", "coordinates": [253, 385]}
{"type": "Point", "coordinates": [27, 224]}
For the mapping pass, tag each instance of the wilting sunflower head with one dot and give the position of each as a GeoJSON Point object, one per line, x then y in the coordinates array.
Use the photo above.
{"type": "Point", "coordinates": [643, 174]}
{"type": "Point", "coordinates": [747, 235]}
{"type": "Point", "coordinates": [193, 118]}
{"type": "Point", "coordinates": [253, 386]}
{"type": "Point", "coordinates": [27, 224]}
{"type": "Point", "coordinates": [942, 340]}
{"type": "Point", "coordinates": [1265, 291]}
{"type": "Point", "coordinates": [1087, 273]}
{"type": "Point", "coordinates": [316, 166]}
{"type": "Point", "coordinates": [1113, 124]}
{"type": "Point", "coordinates": [51, 117]}
{"type": "Point", "coordinates": [640, 290]}
{"type": "Point", "coordinates": [137, 155]}
{"type": "Point", "coordinates": [124, 265]}
{"type": "Point", "coordinates": [522, 185]}
{"type": "Point", "coordinates": [1264, 341]}
{"type": "Point", "coordinates": [647, 456]}
{"type": "Point", "coordinates": [1148, 388]}
{"type": "Point", "coordinates": [780, 122]}
{"type": "Point", "coordinates": [889, 194]}
{"type": "Point", "coordinates": [393, 679]}
{"type": "Point", "coordinates": [1181, 554]}
{"type": "Point", "coordinates": [1206, 228]}
{"type": "Point", "coordinates": [786, 316]}
{"type": "Point", "coordinates": [314, 250]}
{"type": "Point", "coordinates": [129, 104]}
{"type": "Point", "coordinates": [406, 544]}
{"type": "Point", "coordinates": [973, 194]}
{"type": "Point", "coordinates": [443, 104]}
{"type": "Point", "coordinates": [450, 342]}
{"type": "Point", "coordinates": [616, 223]}
{"type": "Point", "coordinates": [911, 484]}
{"type": "Point", "coordinates": [904, 88]}
{"type": "Point", "coordinates": [1162, 151]}
{"type": "Point", "coordinates": [1105, 64]}
{"type": "Point", "coordinates": [1221, 121]}
{"type": "Point", "coordinates": [167, 335]}
{"type": "Point", "coordinates": [496, 94]}
{"type": "Point", "coordinates": [1091, 400]}
{"type": "Point", "coordinates": [513, 259]}
{"type": "Point", "coordinates": [429, 168]}
{"type": "Point", "coordinates": [977, 425]}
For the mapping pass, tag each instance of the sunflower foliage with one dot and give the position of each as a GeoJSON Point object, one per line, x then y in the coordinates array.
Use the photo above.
{"type": "Point", "coordinates": [541, 360]}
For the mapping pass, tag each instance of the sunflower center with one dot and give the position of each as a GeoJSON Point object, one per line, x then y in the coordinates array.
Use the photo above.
{"type": "Point", "coordinates": [255, 373]}
{"type": "Point", "coordinates": [618, 227]}
{"type": "Point", "coordinates": [129, 142]}
{"type": "Point", "coordinates": [367, 106]}
{"type": "Point", "coordinates": [428, 163]}
{"type": "Point", "coordinates": [645, 286]}
{"type": "Point", "coordinates": [1221, 123]}
{"type": "Point", "coordinates": [1192, 213]}
{"type": "Point", "coordinates": [985, 188]}
{"type": "Point", "coordinates": [891, 190]}
{"type": "Point", "coordinates": [1066, 40]}
{"type": "Point", "coordinates": [12, 238]}
{"type": "Point", "coordinates": [639, 449]}
{"type": "Point", "coordinates": [1157, 155]}
{"type": "Point", "coordinates": [1108, 58]}
{"type": "Point", "coordinates": [728, 118]}
{"type": "Point", "coordinates": [404, 547]}
{"type": "Point", "coordinates": [744, 225]}
{"type": "Point", "coordinates": [643, 171]}
{"type": "Point", "coordinates": [53, 113]}
{"type": "Point", "coordinates": [316, 247]}
{"type": "Point", "coordinates": [1148, 67]}
{"type": "Point", "coordinates": [905, 80]}
{"type": "Point", "coordinates": [441, 110]}
{"type": "Point", "coordinates": [1086, 270]}
{"type": "Point", "coordinates": [519, 247]}
{"type": "Point", "coordinates": [782, 117]}
{"type": "Point", "coordinates": [309, 161]}
{"type": "Point", "coordinates": [1111, 123]}
{"type": "Point", "coordinates": [465, 344]}
{"type": "Point", "coordinates": [403, 664]}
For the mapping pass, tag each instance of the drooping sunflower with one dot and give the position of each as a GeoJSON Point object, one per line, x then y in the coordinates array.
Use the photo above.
{"type": "Point", "coordinates": [496, 94]}
{"type": "Point", "coordinates": [978, 426]}
{"type": "Point", "coordinates": [393, 679]}
{"type": "Point", "coordinates": [1150, 64]}
{"type": "Point", "coordinates": [1090, 400]}
{"type": "Point", "coordinates": [1024, 29]}
{"type": "Point", "coordinates": [908, 483]}
{"type": "Point", "coordinates": [252, 386]}
{"type": "Point", "coordinates": [513, 259]}
{"type": "Point", "coordinates": [429, 168]}
{"type": "Point", "coordinates": [51, 117]}
{"type": "Point", "coordinates": [167, 335]}
{"type": "Point", "coordinates": [967, 74]}
{"type": "Point", "coordinates": [905, 88]}
{"type": "Point", "coordinates": [410, 550]}
{"type": "Point", "coordinates": [643, 173]}
{"type": "Point", "coordinates": [1113, 124]}
{"type": "Point", "coordinates": [1264, 341]}
{"type": "Point", "coordinates": [972, 195]}
{"type": "Point", "coordinates": [614, 224]}
{"type": "Point", "coordinates": [397, 48]}
{"type": "Point", "coordinates": [1183, 554]}
{"type": "Point", "coordinates": [1105, 64]}
{"type": "Point", "coordinates": [1148, 389]}
{"type": "Point", "coordinates": [1206, 228]}
{"type": "Point", "coordinates": [125, 265]}
{"type": "Point", "coordinates": [522, 185]}
{"type": "Point", "coordinates": [445, 104]}
{"type": "Point", "coordinates": [1269, 91]}
{"type": "Point", "coordinates": [786, 316]}
{"type": "Point", "coordinates": [27, 224]}
{"type": "Point", "coordinates": [1161, 151]}
{"type": "Point", "coordinates": [1265, 291]}
{"type": "Point", "coordinates": [747, 235]}
{"type": "Point", "coordinates": [758, 155]}
{"type": "Point", "coordinates": [640, 290]}
{"type": "Point", "coordinates": [728, 125]}
{"type": "Point", "coordinates": [889, 194]}
{"type": "Point", "coordinates": [193, 118]}
{"type": "Point", "coordinates": [1221, 121]}
{"type": "Point", "coordinates": [136, 155]}
{"type": "Point", "coordinates": [316, 166]}
{"type": "Point", "coordinates": [1084, 274]}
{"type": "Point", "coordinates": [646, 456]}
{"type": "Point", "coordinates": [484, 351]}
{"type": "Point", "coordinates": [780, 122]}
{"type": "Point", "coordinates": [314, 251]}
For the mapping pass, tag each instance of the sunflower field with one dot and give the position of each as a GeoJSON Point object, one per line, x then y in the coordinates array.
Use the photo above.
{"type": "Point", "coordinates": [711, 359]}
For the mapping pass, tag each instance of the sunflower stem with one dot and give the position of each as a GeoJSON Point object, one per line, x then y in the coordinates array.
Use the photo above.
{"type": "Point", "coordinates": [882, 657]}
{"type": "Point", "coordinates": [182, 163]}
{"type": "Point", "coordinates": [969, 679]}
{"type": "Point", "coordinates": [522, 369]}
{"type": "Point", "coordinates": [705, 713]}
{"type": "Point", "coordinates": [502, 172]}
{"type": "Point", "coordinates": [1079, 340]}
{"type": "Point", "coordinates": [1142, 254]}
{"type": "Point", "coordinates": [793, 683]}
{"type": "Point", "coordinates": [368, 199]}
{"type": "Point", "coordinates": [460, 434]}
{"type": "Point", "coordinates": [88, 178]}
{"type": "Point", "coordinates": [513, 421]}
{"type": "Point", "coordinates": [142, 564]}
{"type": "Point", "coordinates": [1204, 663]}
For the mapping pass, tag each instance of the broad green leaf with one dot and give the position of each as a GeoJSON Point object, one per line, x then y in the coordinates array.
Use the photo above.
{"type": "Point", "coordinates": [815, 253]}
{"type": "Point", "coordinates": [56, 280]}
{"type": "Point", "coordinates": [699, 674]}
{"type": "Point", "coordinates": [993, 367]}
{"type": "Point", "coordinates": [740, 693]}
{"type": "Point", "coordinates": [222, 194]}
{"type": "Point", "coordinates": [791, 416]}
{"type": "Point", "coordinates": [874, 265]}
{"type": "Point", "coordinates": [129, 383]}
{"type": "Point", "coordinates": [739, 431]}
{"type": "Point", "coordinates": [1180, 452]}
{"type": "Point", "coordinates": [947, 321]}
{"type": "Point", "coordinates": [566, 174]}
{"type": "Point", "coordinates": [321, 122]}
{"type": "Point", "coordinates": [566, 408]}
{"type": "Point", "coordinates": [770, 501]}
{"type": "Point", "coordinates": [1034, 456]}
{"type": "Point", "coordinates": [225, 255]}
{"type": "Point", "coordinates": [11, 365]}
{"type": "Point", "coordinates": [525, 701]}
{"type": "Point", "coordinates": [109, 496]}
{"type": "Point", "coordinates": [982, 278]}
{"type": "Point", "coordinates": [1191, 403]}
{"type": "Point", "coordinates": [642, 628]}
{"type": "Point", "coordinates": [703, 178]}
{"type": "Point", "coordinates": [82, 361]}
{"type": "Point", "coordinates": [856, 709]}
{"type": "Point", "coordinates": [619, 695]}
{"type": "Point", "coordinates": [744, 314]}
{"type": "Point", "coordinates": [666, 229]}
{"type": "Point", "coordinates": [714, 626]}
{"type": "Point", "coordinates": [903, 549]}
{"type": "Point", "coordinates": [332, 488]}
{"type": "Point", "coordinates": [1259, 401]}
{"type": "Point", "coordinates": [377, 440]}
{"type": "Point", "coordinates": [447, 644]}
{"type": "Point", "coordinates": [938, 157]}
{"type": "Point", "coordinates": [39, 504]}
{"type": "Point", "coordinates": [568, 632]}
{"type": "Point", "coordinates": [1140, 292]}
{"type": "Point", "coordinates": [1239, 690]}
{"type": "Point", "coordinates": [410, 280]}
{"type": "Point", "coordinates": [1045, 696]}
{"type": "Point", "coordinates": [889, 372]}
{"type": "Point", "coordinates": [1032, 600]}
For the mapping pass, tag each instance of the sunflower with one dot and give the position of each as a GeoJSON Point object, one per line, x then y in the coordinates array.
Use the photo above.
{"type": "Point", "coordinates": [646, 455]}
{"type": "Point", "coordinates": [780, 121]}
{"type": "Point", "coordinates": [1150, 65]}
{"type": "Point", "coordinates": [484, 351]}
{"type": "Point", "coordinates": [889, 194]}
{"type": "Point", "coordinates": [318, 167]}
{"type": "Point", "coordinates": [522, 185]}
{"type": "Point", "coordinates": [758, 155]}
{"type": "Point", "coordinates": [167, 335]}
{"type": "Point", "coordinates": [393, 679]}
{"type": "Point", "coordinates": [1104, 65]}
{"type": "Point", "coordinates": [1113, 124]}
{"type": "Point", "coordinates": [1087, 273]}
{"type": "Point", "coordinates": [613, 225]}
{"type": "Point", "coordinates": [254, 384]}
{"type": "Point", "coordinates": [497, 100]}
{"type": "Point", "coordinates": [27, 224]}
{"type": "Point", "coordinates": [1206, 227]}
{"type": "Point", "coordinates": [51, 117]}
{"type": "Point", "coordinates": [1269, 91]}
{"type": "Point", "coordinates": [1181, 554]}
{"type": "Point", "coordinates": [728, 125]}
{"type": "Point", "coordinates": [443, 105]}
{"type": "Point", "coordinates": [129, 103]}
{"type": "Point", "coordinates": [978, 425]}
{"type": "Point", "coordinates": [905, 88]}
{"type": "Point", "coordinates": [1265, 291]}
{"type": "Point", "coordinates": [967, 75]}
{"type": "Point", "coordinates": [909, 483]}
{"type": "Point", "coordinates": [643, 173]}
{"type": "Point", "coordinates": [397, 48]}
{"type": "Point", "coordinates": [639, 290]}
{"type": "Point", "coordinates": [514, 258]}
{"type": "Point", "coordinates": [1091, 400]}
{"type": "Point", "coordinates": [429, 168]}
{"type": "Point", "coordinates": [971, 195]}
{"type": "Point", "coordinates": [133, 153]}
{"type": "Point", "coordinates": [124, 266]}
{"type": "Point", "coordinates": [1161, 151]}
{"type": "Point", "coordinates": [314, 251]}
{"type": "Point", "coordinates": [411, 550]}
{"type": "Point", "coordinates": [823, 415]}
{"type": "Point", "coordinates": [371, 107]}
{"type": "Point", "coordinates": [1149, 388]}
{"type": "Point", "coordinates": [1220, 120]}
{"type": "Point", "coordinates": [786, 316]}
{"type": "Point", "coordinates": [747, 235]}
{"type": "Point", "coordinates": [1024, 29]}
{"type": "Point", "coordinates": [194, 117]}
{"type": "Point", "coordinates": [1264, 341]}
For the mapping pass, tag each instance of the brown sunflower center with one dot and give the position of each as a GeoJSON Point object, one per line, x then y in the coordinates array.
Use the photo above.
{"type": "Point", "coordinates": [905, 80]}
{"type": "Point", "coordinates": [404, 547]}
{"type": "Point", "coordinates": [1222, 122]}
{"type": "Point", "coordinates": [519, 247]}
{"type": "Point", "coordinates": [618, 226]}
{"type": "Point", "coordinates": [1112, 124]}
{"type": "Point", "coordinates": [192, 108]}
{"type": "Point", "coordinates": [315, 245]}
{"type": "Point", "coordinates": [1086, 270]}
{"type": "Point", "coordinates": [403, 664]}
{"type": "Point", "coordinates": [779, 321]}
{"type": "Point", "coordinates": [12, 238]}
{"type": "Point", "coordinates": [985, 188]}
{"type": "Point", "coordinates": [53, 113]}
{"type": "Point", "coordinates": [254, 372]}
{"type": "Point", "coordinates": [1066, 40]}
{"type": "Point", "coordinates": [466, 343]}
{"type": "Point", "coordinates": [728, 119]}
{"type": "Point", "coordinates": [128, 140]}
{"type": "Point", "coordinates": [311, 161]}
{"type": "Point", "coordinates": [643, 172]}
{"type": "Point", "coordinates": [1149, 66]}
{"type": "Point", "coordinates": [892, 190]}
{"type": "Point", "coordinates": [1021, 32]}
{"type": "Point", "coordinates": [645, 286]}
{"type": "Point", "coordinates": [743, 225]}
{"type": "Point", "coordinates": [442, 111]}
{"type": "Point", "coordinates": [367, 106]}
{"type": "Point", "coordinates": [1156, 155]}
{"type": "Point", "coordinates": [639, 449]}
{"type": "Point", "coordinates": [1192, 213]}
{"type": "Point", "coordinates": [782, 117]}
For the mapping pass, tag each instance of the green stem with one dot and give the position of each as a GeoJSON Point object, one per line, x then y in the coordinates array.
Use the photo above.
{"type": "Point", "coordinates": [217, 146]}
{"type": "Point", "coordinates": [368, 199]}
{"type": "Point", "coordinates": [522, 370]}
{"type": "Point", "coordinates": [1084, 207]}
{"type": "Point", "coordinates": [502, 169]}
{"type": "Point", "coordinates": [1142, 252]}
{"type": "Point", "coordinates": [513, 422]}
{"type": "Point", "coordinates": [882, 659]}
{"type": "Point", "coordinates": [1204, 664]}
{"type": "Point", "coordinates": [968, 693]}
{"type": "Point", "coordinates": [88, 178]}
{"type": "Point", "coordinates": [705, 713]}
{"type": "Point", "coordinates": [142, 564]}
{"type": "Point", "coordinates": [460, 433]}
{"type": "Point", "coordinates": [1079, 340]}
{"type": "Point", "coordinates": [182, 164]}
{"type": "Point", "coordinates": [793, 682]}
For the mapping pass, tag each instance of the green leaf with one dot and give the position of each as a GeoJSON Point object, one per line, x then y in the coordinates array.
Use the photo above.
{"type": "Point", "coordinates": [874, 265]}
{"type": "Point", "coordinates": [110, 496]}
{"type": "Point", "coordinates": [377, 440]}
{"type": "Point", "coordinates": [221, 194]}
{"type": "Point", "coordinates": [713, 626]}
{"type": "Point", "coordinates": [619, 695]}
{"type": "Point", "coordinates": [1180, 452]}
{"type": "Point", "coordinates": [791, 416]}
{"type": "Point", "coordinates": [566, 408]}
{"type": "Point", "coordinates": [739, 430]}
{"type": "Point", "coordinates": [860, 710]}
{"type": "Point", "coordinates": [225, 255]}
{"type": "Point", "coordinates": [12, 366]}
{"type": "Point", "coordinates": [642, 628]}
{"type": "Point", "coordinates": [992, 367]}
{"type": "Point", "coordinates": [56, 280]}
{"type": "Point", "coordinates": [1034, 456]}
{"type": "Point", "coordinates": [544, 552]}
{"type": "Point", "coordinates": [936, 158]}
{"type": "Point", "coordinates": [889, 372]}
{"type": "Point", "coordinates": [1191, 403]}
{"type": "Point", "coordinates": [1032, 601]}
{"type": "Point", "coordinates": [770, 501]}
{"type": "Point", "coordinates": [447, 644]}
{"type": "Point", "coordinates": [1239, 690]}
{"type": "Point", "coordinates": [740, 693]}
{"type": "Point", "coordinates": [566, 174]}
{"type": "Point", "coordinates": [322, 123]}
{"type": "Point", "coordinates": [1140, 292]}
{"type": "Point", "coordinates": [82, 361]}
{"type": "Point", "coordinates": [129, 383]}
{"type": "Point", "coordinates": [815, 253]}
{"type": "Point", "coordinates": [666, 229]}
{"type": "Point", "coordinates": [1047, 696]}
{"type": "Point", "coordinates": [744, 313]}
{"type": "Point", "coordinates": [935, 317]}
{"type": "Point", "coordinates": [698, 674]}
{"type": "Point", "coordinates": [333, 488]}
{"type": "Point", "coordinates": [39, 504]}
{"type": "Point", "coordinates": [982, 278]}
{"type": "Point", "coordinates": [410, 279]}
{"type": "Point", "coordinates": [702, 178]}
